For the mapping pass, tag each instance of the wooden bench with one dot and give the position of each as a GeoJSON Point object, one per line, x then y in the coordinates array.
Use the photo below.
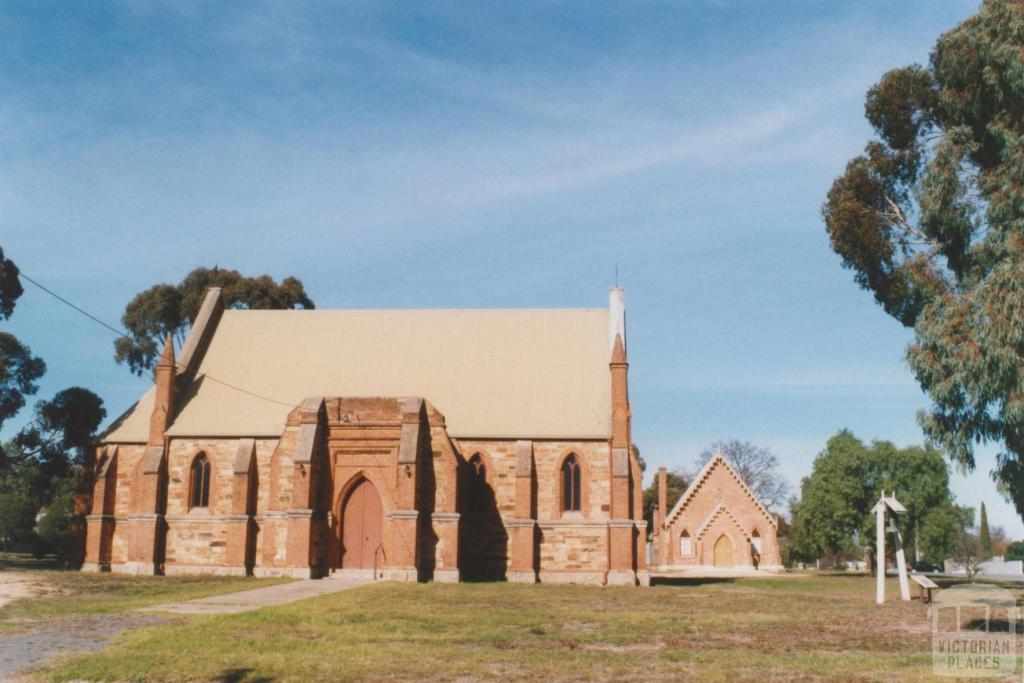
{"type": "Point", "coordinates": [926, 585]}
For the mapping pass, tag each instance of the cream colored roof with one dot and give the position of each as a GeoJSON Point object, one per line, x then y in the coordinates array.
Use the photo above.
{"type": "Point", "coordinates": [492, 373]}
{"type": "Point", "coordinates": [133, 425]}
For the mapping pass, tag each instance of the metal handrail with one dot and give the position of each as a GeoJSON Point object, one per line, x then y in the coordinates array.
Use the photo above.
{"type": "Point", "coordinates": [380, 547]}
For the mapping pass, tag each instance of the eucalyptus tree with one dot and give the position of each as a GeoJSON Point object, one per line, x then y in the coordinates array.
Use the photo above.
{"type": "Point", "coordinates": [930, 218]}
{"type": "Point", "coordinates": [171, 309]}
{"type": "Point", "coordinates": [19, 369]}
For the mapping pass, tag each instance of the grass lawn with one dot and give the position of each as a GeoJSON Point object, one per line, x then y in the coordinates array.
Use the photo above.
{"type": "Point", "coordinates": [785, 628]}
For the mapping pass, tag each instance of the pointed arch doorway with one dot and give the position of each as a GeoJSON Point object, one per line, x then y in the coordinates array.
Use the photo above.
{"type": "Point", "coordinates": [362, 526]}
{"type": "Point", "coordinates": [723, 552]}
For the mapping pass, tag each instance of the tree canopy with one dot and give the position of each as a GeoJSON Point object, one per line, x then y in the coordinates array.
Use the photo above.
{"type": "Point", "coordinates": [833, 515]}
{"type": "Point", "coordinates": [676, 481]}
{"type": "Point", "coordinates": [171, 309]}
{"type": "Point", "coordinates": [931, 219]}
{"type": "Point", "coordinates": [19, 369]}
{"type": "Point", "coordinates": [10, 286]}
{"type": "Point", "coordinates": [42, 468]}
{"type": "Point", "coordinates": [756, 466]}
{"type": "Point", "coordinates": [60, 433]}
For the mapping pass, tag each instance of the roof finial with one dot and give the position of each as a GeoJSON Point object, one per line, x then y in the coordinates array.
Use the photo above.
{"type": "Point", "coordinates": [167, 357]}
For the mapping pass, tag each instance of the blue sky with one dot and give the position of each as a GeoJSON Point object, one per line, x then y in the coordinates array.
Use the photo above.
{"type": "Point", "coordinates": [479, 155]}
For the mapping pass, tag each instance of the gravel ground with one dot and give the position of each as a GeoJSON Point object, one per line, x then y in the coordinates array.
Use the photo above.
{"type": "Point", "coordinates": [21, 651]}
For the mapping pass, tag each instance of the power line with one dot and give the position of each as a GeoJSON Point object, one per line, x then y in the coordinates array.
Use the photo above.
{"type": "Point", "coordinates": [246, 391]}
{"type": "Point", "coordinates": [208, 376]}
{"type": "Point", "coordinates": [120, 333]}
{"type": "Point", "coordinates": [113, 329]}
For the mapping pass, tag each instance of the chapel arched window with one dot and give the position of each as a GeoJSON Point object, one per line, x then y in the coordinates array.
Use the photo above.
{"type": "Point", "coordinates": [200, 494]}
{"type": "Point", "coordinates": [571, 499]}
{"type": "Point", "coordinates": [685, 544]}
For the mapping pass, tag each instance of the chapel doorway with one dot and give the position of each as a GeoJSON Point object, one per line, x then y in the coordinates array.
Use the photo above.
{"type": "Point", "coordinates": [362, 520]}
{"type": "Point", "coordinates": [723, 552]}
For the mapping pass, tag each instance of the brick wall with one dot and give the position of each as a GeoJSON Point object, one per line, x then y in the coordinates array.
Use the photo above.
{"type": "Point", "coordinates": [737, 516]}
{"type": "Point", "coordinates": [129, 457]}
{"type": "Point", "coordinates": [595, 459]}
{"type": "Point", "coordinates": [362, 439]}
{"type": "Point", "coordinates": [570, 543]}
{"type": "Point", "coordinates": [198, 536]}
{"type": "Point", "coordinates": [576, 549]}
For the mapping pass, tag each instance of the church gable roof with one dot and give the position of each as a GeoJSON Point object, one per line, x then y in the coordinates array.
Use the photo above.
{"type": "Point", "coordinates": [698, 482]}
{"type": "Point", "coordinates": [491, 373]}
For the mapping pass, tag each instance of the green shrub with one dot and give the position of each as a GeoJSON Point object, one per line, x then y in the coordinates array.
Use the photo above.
{"type": "Point", "coordinates": [54, 527]}
{"type": "Point", "coordinates": [1015, 551]}
{"type": "Point", "coordinates": [17, 517]}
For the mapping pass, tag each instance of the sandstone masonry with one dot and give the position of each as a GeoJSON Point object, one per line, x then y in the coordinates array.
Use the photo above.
{"type": "Point", "coordinates": [376, 485]}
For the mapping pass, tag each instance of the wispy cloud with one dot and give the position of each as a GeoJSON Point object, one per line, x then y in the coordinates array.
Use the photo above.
{"type": "Point", "coordinates": [495, 154]}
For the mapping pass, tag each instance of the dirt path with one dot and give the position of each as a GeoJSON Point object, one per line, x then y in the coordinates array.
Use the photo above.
{"type": "Point", "coordinates": [33, 642]}
{"type": "Point", "coordinates": [23, 650]}
{"type": "Point", "coordinates": [15, 585]}
{"type": "Point", "coordinates": [245, 601]}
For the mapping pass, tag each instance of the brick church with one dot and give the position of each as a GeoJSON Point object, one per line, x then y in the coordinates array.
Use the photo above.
{"type": "Point", "coordinates": [440, 445]}
{"type": "Point", "coordinates": [717, 525]}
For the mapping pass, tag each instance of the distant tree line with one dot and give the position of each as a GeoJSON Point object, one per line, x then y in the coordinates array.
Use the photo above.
{"type": "Point", "coordinates": [832, 518]}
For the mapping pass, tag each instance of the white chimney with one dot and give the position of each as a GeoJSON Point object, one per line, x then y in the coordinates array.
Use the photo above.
{"type": "Point", "coordinates": [616, 317]}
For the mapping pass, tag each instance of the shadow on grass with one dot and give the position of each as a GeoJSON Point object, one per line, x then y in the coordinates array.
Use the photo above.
{"type": "Point", "coordinates": [689, 580]}
{"type": "Point", "coordinates": [26, 561]}
{"type": "Point", "coordinates": [840, 574]}
{"type": "Point", "coordinates": [1009, 584]}
{"type": "Point", "coordinates": [238, 675]}
{"type": "Point", "coordinates": [994, 626]}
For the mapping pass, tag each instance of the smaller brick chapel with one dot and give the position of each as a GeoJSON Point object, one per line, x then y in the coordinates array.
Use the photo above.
{"type": "Point", "coordinates": [717, 525]}
{"type": "Point", "coordinates": [440, 445]}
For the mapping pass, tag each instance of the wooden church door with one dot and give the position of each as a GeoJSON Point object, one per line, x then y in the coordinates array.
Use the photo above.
{"type": "Point", "coordinates": [362, 526]}
{"type": "Point", "coordinates": [723, 552]}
